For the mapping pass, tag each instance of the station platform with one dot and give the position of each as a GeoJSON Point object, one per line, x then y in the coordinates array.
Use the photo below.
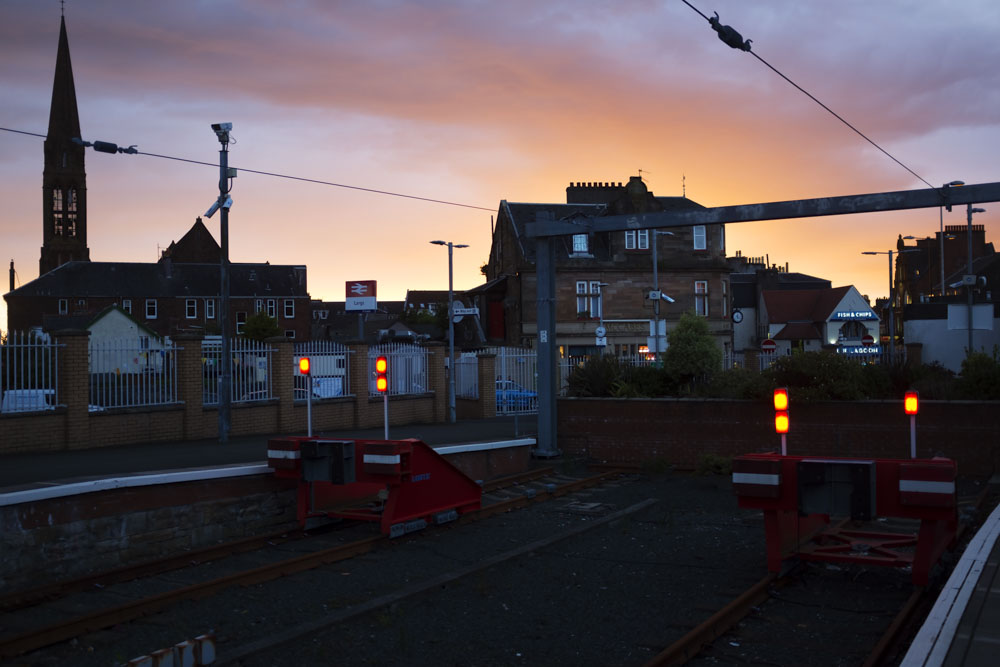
{"type": "Point", "coordinates": [963, 627]}
{"type": "Point", "coordinates": [33, 470]}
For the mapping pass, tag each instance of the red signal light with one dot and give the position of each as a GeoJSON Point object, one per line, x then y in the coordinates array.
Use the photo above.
{"type": "Point", "coordinates": [382, 374]}
{"type": "Point", "coordinates": [911, 402]}
{"type": "Point", "coordinates": [304, 365]}
{"type": "Point", "coordinates": [781, 399]}
{"type": "Point", "coordinates": [781, 422]}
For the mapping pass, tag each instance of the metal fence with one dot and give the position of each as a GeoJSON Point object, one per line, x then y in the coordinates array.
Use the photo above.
{"type": "Point", "coordinates": [329, 368]}
{"type": "Point", "coordinates": [408, 368]}
{"type": "Point", "coordinates": [251, 377]}
{"type": "Point", "coordinates": [517, 380]}
{"type": "Point", "coordinates": [127, 372]}
{"type": "Point", "coordinates": [29, 380]}
{"type": "Point", "coordinates": [467, 376]}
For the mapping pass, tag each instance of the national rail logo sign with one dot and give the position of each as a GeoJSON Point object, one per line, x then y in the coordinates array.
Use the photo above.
{"type": "Point", "coordinates": [360, 295]}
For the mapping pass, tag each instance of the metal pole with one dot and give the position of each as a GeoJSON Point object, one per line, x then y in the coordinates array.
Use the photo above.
{"type": "Point", "coordinates": [941, 246]}
{"type": "Point", "coordinates": [451, 342]}
{"type": "Point", "coordinates": [385, 413]}
{"type": "Point", "coordinates": [656, 304]}
{"type": "Point", "coordinates": [309, 406]}
{"type": "Point", "coordinates": [784, 445]}
{"type": "Point", "coordinates": [225, 377]}
{"type": "Point", "coordinates": [892, 313]}
{"type": "Point", "coordinates": [913, 436]}
{"type": "Point", "coordinates": [968, 288]}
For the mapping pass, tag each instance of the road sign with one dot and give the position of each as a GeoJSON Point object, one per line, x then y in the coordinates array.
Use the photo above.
{"type": "Point", "coordinates": [360, 295]}
{"type": "Point", "coordinates": [867, 340]}
{"type": "Point", "coordinates": [600, 332]}
{"type": "Point", "coordinates": [601, 341]}
{"type": "Point", "coordinates": [768, 346]}
{"type": "Point", "coordinates": [458, 311]}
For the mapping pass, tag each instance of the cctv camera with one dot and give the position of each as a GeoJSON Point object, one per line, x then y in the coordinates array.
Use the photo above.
{"type": "Point", "coordinates": [212, 209]}
{"type": "Point", "coordinates": [222, 127]}
{"type": "Point", "coordinates": [228, 204]}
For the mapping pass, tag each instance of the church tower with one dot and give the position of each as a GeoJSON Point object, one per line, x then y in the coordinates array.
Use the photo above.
{"type": "Point", "coordinates": [64, 181]}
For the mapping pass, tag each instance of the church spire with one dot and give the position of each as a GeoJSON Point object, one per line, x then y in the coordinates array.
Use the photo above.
{"type": "Point", "coordinates": [64, 179]}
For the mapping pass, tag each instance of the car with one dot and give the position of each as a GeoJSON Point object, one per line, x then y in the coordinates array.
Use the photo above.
{"type": "Point", "coordinates": [513, 397]}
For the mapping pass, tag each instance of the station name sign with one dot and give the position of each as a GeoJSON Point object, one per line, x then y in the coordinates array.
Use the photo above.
{"type": "Point", "coordinates": [854, 315]}
{"type": "Point", "coordinates": [360, 295]}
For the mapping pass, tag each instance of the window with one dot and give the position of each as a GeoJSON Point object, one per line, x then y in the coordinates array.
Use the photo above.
{"type": "Point", "coordinates": [725, 298]}
{"type": "Point", "coordinates": [210, 309]}
{"type": "Point", "coordinates": [637, 239]}
{"type": "Point", "coordinates": [241, 319]}
{"type": "Point", "coordinates": [699, 237]}
{"type": "Point", "coordinates": [701, 298]}
{"type": "Point", "coordinates": [191, 309]}
{"type": "Point", "coordinates": [581, 244]}
{"type": "Point", "coordinates": [63, 306]}
{"type": "Point", "coordinates": [272, 309]}
{"type": "Point", "coordinates": [588, 299]}
{"type": "Point", "coordinates": [290, 333]}
{"type": "Point", "coordinates": [289, 309]}
{"type": "Point", "coordinates": [150, 309]}
{"type": "Point", "coordinates": [258, 305]}
{"type": "Point", "coordinates": [127, 305]}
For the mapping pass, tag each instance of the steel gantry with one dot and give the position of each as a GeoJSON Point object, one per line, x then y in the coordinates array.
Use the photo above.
{"type": "Point", "coordinates": [544, 232]}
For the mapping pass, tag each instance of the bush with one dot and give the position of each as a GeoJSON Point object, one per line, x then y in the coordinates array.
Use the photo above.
{"type": "Point", "coordinates": [692, 357]}
{"type": "Point", "coordinates": [712, 464]}
{"type": "Point", "coordinates": [595, 378]}
{"type": "Point", "coordinates": [820, 376]}
{"type": "Point", "coordinates": [738, 383]}
{"type": "Point", "coordinates": [980, 378]}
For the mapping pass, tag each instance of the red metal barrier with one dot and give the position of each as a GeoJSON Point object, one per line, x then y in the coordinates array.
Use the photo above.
{"type": "Point", "coordinates": [402, 484]}
{"type": "Point", "coordinates": [798, 496]}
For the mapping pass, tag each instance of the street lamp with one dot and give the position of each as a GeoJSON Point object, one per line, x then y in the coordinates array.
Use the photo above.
{"type": "Point", "coordinates": [892, 297]}
{"type": "Point", "coordinates": [223, 204]}
{"type": "Point", "coordinates": [944, 193]}
{"type": "Point", "coordinates": [970, 278]}
{"type": "Point", "coordinates": [451, 330]}
{"type": "Point", "coordinates": [656, 303]}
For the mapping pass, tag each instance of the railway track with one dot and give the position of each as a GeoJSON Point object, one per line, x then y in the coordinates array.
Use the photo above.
{"type": "Point", "coordinates": [748, 627]}
{"type": "Point", "coordinates": [500, 496]}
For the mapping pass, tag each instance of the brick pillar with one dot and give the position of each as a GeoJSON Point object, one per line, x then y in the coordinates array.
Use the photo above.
{"type": "Point", "coordinates": [438, 379]}
{"type": "Point", "coordinates": [283, 374]}
{"type": "Point", "coordinates": [74, 385]}
{"type": "Point", "coordinates": [190, 379]}
{"type": "Point", "coordinates": [358, 360]}
{"type": "Point", "coordinates": [487, 385]}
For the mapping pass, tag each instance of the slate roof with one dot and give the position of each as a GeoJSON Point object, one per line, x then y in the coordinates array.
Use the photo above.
{"type": "Point", "coordinates": [428, 297]}
{"type": "Point", "coordinates": [165, 279]}
{"type": "Point", "coordinates": [802, 305]}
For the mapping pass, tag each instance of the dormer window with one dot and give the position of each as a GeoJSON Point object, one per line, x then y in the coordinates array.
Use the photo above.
{"type": "Point", "coordinates": [581, 244]}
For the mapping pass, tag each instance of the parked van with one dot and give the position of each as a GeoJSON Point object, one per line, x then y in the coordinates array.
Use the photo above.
{"type": "Point", "coordinates": [28, 400]}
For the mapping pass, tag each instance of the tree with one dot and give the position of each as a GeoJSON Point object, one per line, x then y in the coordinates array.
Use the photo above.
{"type": "Point", "coordinates": [692, 356]}
{"type": "Point", "coordinates": [260, 326]}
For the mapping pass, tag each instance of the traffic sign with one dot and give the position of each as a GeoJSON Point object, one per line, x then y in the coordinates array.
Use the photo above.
{"type": "Point", "coordinates": [867, 340]}
{"type": "Point", "coordinates": [601, 341]}
{"type": "Point", "coordinates": [768, 346]}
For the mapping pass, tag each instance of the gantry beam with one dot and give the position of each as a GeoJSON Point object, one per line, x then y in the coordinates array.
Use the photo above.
{"type": "Point", "coordinates": [543, 230]}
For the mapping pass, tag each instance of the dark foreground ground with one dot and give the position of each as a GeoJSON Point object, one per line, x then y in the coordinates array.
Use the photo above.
{"type": "Point", "coordinates": [581, 590]}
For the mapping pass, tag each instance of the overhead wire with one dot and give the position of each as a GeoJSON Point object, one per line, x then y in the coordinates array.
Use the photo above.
{"type": "Point", "coordinates": [289, 177]}
{"type": "Point", "coordinates": [814, 99]}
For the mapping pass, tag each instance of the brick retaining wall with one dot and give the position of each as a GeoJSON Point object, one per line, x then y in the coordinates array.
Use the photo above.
{"type": "Point", "coordinates": [682, 431]}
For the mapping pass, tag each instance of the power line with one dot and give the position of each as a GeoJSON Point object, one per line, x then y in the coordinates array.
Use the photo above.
{"type": "Point", "coordinates": [728, 35]}
{"type": "Point", "coordinates": [289, 177]}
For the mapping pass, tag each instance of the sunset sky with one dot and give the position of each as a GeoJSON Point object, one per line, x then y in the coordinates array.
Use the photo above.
{"type": "Point", "coordinates": [474, 102]}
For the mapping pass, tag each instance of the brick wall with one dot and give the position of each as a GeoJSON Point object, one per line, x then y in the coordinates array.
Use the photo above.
{"type": "Point", "coordinates": [682, 431]}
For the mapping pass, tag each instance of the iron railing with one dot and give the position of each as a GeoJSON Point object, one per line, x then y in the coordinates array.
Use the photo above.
{"type": "Point", "coordinates": [128, 372]}
{"type": "Point", "coordinates": [408, 368]}
{"type": "Point", "coordinates": [251, 371]}
{"type": "Point", "coordinates": [329, 367]}
{"type": "Point", "coordinates": [29, 380]}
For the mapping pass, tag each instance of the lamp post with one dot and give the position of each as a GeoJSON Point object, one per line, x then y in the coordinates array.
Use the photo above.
{"type": "Point", "coordinates": [451, 330]}
{"type": "Point", "coordinates": [656, 303]}
{"type": "Point", "coordinates": [223, 204]}
{"type": "Point", "coordinates": [944, 193]}
{"type": "Point", "coordinates": [892, 297]}
{"type": "Point", "coordinates": [970, 278]}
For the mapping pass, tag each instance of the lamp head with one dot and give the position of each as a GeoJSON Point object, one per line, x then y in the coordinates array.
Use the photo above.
{"type": "Point", "coordinates": [439, 243]}
{"type": "Point", "coordinates": [977, 210]}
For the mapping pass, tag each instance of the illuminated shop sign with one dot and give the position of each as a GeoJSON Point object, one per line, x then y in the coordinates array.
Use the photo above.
{"type": "Point", "coordinates": [859, 349]}
{"type": "Point", "coordinates": [854, 315]}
